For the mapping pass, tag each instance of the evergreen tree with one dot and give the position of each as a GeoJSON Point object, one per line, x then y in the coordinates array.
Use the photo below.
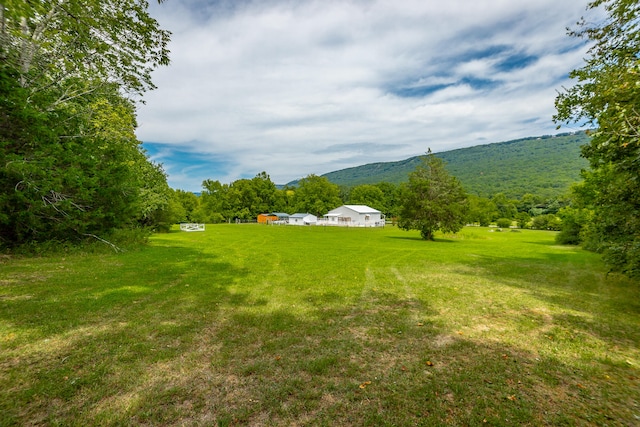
{"type": "Point", "coordinates": [432, 200]}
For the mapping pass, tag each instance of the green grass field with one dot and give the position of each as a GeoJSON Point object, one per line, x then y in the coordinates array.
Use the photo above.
{"type": "Point", "coordinates": [290, 326]}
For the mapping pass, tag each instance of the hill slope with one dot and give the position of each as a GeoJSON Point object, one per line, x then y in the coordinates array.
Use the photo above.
{"type": "Point", "coordinates": [544, 166]}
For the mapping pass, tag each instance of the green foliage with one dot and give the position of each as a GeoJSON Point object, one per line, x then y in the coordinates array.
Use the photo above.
{"type": "Point", "coordinates": [505, 208]}
{"type": "Point", "coordinates": [189, 204]}
{"type": "Point", "coordinates": [573, 222]}
{"type": "Point", "coordinates": [213, 199]}
{"type": "Point", "coordinates": [71, 167]}
{"type": "Point", "coordinates": [243, 199]}
{"type": "Point", "coordinates": [316, 195]}
{"type": "Point", "coordinates": [158, 207]}
{"type": "Point", "coordinates": [56, 181]}
{"type": "Point", "coordinates": [522, 219]}
{"type": "Point", "coordinates": [606, 95]}
{"type": "Point", "coordinates": [545, 166]}
{"type": "Point", "coordinates": [481, 211]}
{"type": "Point", "coordinates": [250, 197]}
{"type": "Point", "coordinates": [391, 194]}
{"type": "Point", "coordinates": [81, 45]}
{"type": "Point", "coordinates": [614, 227]}
{"type": "Point", "coordinates": [546, 222]}
{"type": "Point", "coordinates": [370, 195]}
{"type": "Point", "coordinates": [504, 222]}
{"type": "Point", "coordinates": [528, 202]}
{"type": "Point", "coordinates": [432, 200]}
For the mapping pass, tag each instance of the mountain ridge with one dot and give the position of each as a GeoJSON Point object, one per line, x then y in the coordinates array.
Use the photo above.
{"type": "Point", "coordinates": [545, 166]}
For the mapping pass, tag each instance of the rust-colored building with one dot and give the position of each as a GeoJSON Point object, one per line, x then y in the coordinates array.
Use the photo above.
{"type": "Point", "coordinates": [266, 218]}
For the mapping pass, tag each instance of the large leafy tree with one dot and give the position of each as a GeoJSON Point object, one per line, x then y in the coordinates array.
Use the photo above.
{"type": "Point", "coordinates": [316, 195]}
{"type": "Point", "coordinates": [214, 201]}
{"type": "Point", "coordinates": [432, 200]}
{"type": "Point", "coordinates": [79, 45]}
{"type": "Point", "coordinates": [607, 97]}
{"type": "Point", "coordinates": [189, 203]}
{"type": "Point", "coordinates": [247, 198]}
{"type": "Point", "coordinates": [70, 164]}
{"type": "Point", "coordinates": [505, 208]}
{"type": "Point", "coordinates": [391, 194]}
{"type": "Point", "coordinates": [370, 195]}
{"type": "Point", "coordinates": [481, 210]}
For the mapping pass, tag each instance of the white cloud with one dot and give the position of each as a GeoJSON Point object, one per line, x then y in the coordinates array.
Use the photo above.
{"type": "Point", "coordinates": [268, 85]}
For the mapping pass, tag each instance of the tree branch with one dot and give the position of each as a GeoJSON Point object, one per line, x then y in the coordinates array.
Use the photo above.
{"type": "Point", "coordinates": [106, 242]}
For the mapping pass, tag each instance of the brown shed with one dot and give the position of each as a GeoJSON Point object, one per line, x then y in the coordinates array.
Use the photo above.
{"type": "Point", "coordinates": [266, 218]}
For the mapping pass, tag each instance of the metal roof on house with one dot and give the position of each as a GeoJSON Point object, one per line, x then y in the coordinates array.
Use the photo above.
{"type": "Point", "coordinates": [299, 215]}
{"type": "Point", "coordinates": [363, 209]}
{"type": "Point", "coordinates": [280, 214]}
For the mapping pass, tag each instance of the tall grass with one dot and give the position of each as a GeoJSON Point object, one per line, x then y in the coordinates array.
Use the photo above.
{"type": "Point", "coordinates": [274, 325]}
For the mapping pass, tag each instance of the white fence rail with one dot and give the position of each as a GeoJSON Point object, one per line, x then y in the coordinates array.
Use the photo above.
{"type": "Point", "coordinates": [187, 226]}
{"type": "Point", "coordinates": [329, 223]}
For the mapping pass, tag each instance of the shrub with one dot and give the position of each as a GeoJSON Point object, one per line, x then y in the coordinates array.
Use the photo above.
{"type": "Point", "coordinates": [504, 222]}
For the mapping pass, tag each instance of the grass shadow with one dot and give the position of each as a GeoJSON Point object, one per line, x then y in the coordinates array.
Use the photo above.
{"type": "Point", "coordinates": [588, 302]}
{"type": "Point", "coordinates": [180, 336]}
{"type": "Point", "coordinates": [370, 364]}
{"type": "Point", "coordinates": [420, 239]}
{"type": "Point", "coordinates": [117, 285]}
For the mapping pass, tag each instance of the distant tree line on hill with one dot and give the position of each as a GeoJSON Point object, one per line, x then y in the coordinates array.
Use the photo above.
{"type": "Point", "coordinates": [546, 166]}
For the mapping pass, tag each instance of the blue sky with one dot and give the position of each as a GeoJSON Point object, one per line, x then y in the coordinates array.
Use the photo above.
{"type": "Point", "coordinates": [300, 87]}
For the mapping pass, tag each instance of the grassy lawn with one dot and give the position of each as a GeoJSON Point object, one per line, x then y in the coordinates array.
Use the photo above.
{"type": "Point", "coordinates": [268, 325]}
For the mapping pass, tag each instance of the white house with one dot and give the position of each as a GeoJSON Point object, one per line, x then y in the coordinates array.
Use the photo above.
{"type": "Point", "coordinates": [303, 219]}
{"type": "Point", "coordinates": [354, 216]}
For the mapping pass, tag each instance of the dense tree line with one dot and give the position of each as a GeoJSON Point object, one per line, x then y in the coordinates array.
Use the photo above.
{"type": "Point", "coordinates": [606, 216]}
{"type": "Point", "coordinates": [245, 199]}
{"type": "Point", "coordinates": [70, 165]}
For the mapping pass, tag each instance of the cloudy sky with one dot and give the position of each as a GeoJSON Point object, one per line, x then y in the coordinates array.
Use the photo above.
{"type": "Point", "coordinates": [295, 87]}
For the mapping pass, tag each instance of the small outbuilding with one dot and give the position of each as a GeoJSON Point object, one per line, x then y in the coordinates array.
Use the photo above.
{"type": "Point", "coordinates": [355, 216]}
{"type": "Point", "coordinates": [303, 219]}
{"type": "Point", "coordinates": [267, 218]}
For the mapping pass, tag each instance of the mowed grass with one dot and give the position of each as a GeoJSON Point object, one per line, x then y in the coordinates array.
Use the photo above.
{"type": "Point", "coordinates": [290, 326]}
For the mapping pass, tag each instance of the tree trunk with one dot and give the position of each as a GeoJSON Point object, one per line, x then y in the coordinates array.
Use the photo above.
{"type": "Point", "coordinates": [427, 234]}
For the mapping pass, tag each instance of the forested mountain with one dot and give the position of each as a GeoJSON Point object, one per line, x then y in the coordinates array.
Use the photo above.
{"type": "Point", "coordinates": [545, 166]}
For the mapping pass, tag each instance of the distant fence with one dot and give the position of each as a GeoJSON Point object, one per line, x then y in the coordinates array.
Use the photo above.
{"type": "Point", "coordinates": [348, 223]}
{"type": "Point", "coordinates": [187, 226]}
